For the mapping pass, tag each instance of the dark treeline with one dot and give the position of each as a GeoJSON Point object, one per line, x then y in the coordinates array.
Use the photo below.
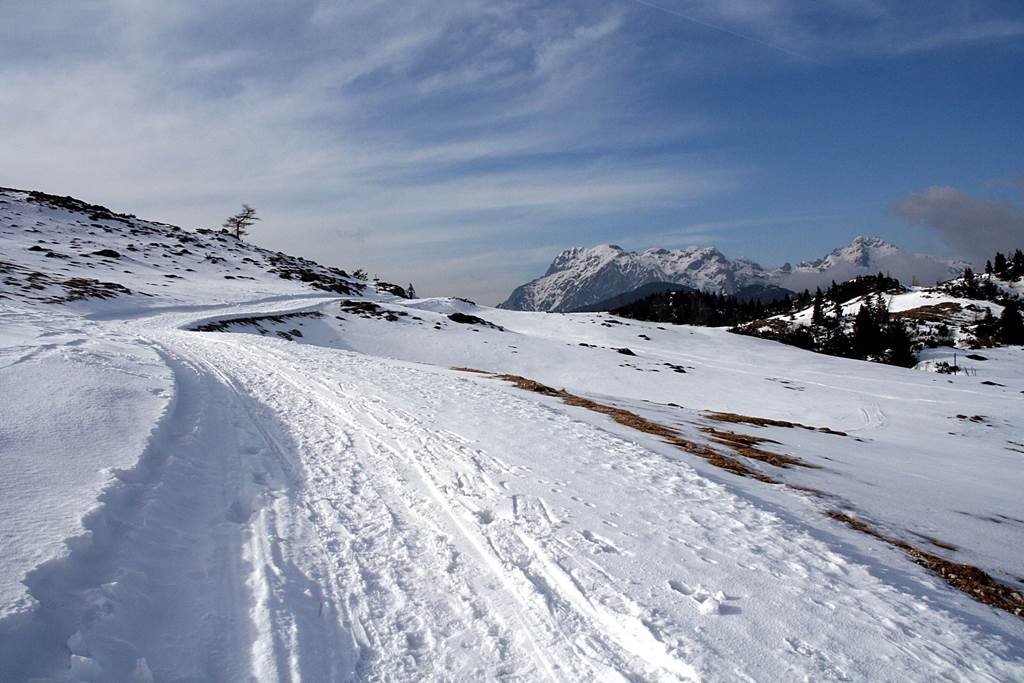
{"type": "Point", "coordinates": [863, 286]}
{"type": "Point", "coordinates": [851, 289]}
{"type": "Point", "coordinates": [1008, 328]}
{"type": "Point", "coordinates": [691, 307]}
{"type": "Point", "coordinates": [871, 333]}
{"type": "Point", "coordinates": [1005, 268]}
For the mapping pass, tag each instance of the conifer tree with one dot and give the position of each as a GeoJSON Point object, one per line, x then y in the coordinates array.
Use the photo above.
{"type": "Point", "coordinates": [899, 345]}
{"type": "Point", "coordinates": [882, 310]}
{"type": "Point", "coordinates": [818, 314]}
{"type": "Point", "coordinates": [999, 266]}
{"type": "Point", "coordinates": [865, 331]}
{"type": "Point", "coordinates": [1017, 264]}
{"type": "Point", "coordinates": [836, 341]}
{"type": "Point", "coordinates": [1011, 325]}
{"type": "Point", "coordinates": [239, 224]}
{"type": "Point", "coordinates": [970, 284]}
{"type": "Point", "coordinates": [987, 328]}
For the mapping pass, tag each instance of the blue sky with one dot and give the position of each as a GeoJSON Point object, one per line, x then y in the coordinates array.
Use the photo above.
{"type": "Point", "coordinates": [461, 145]}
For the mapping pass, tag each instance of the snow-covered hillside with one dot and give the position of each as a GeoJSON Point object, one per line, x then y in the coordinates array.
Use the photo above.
{"type": "Point", "coordinates": [580, 277]}
{"type": "Point", "coordinates": [213, 478]}
{"type": "Point", "coordinates": [62, 250]}
{"type": "Point", "coordinates": [938, 320]}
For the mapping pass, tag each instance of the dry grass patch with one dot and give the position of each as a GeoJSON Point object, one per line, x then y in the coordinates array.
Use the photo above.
{"type": "Point", "coordinates": [818, 493]}
{"type": "Point", "coordinates": [735, 418]}
{"type": "Point", "coordinates": [964, 577]}
{"type": "Point", "coordinates": [934, 313]}
{"type": "Point", "coordinates": [747, 445]}
{"type": "Point", "coordinates": [941, 544]}
{"type": "Point", "coordinates": [642, 424]}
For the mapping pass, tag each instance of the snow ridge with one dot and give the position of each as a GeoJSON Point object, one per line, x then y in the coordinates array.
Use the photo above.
{"type": "Point", "coordinates": [62, 250]}
{"type": "Point", "coordinates": [580, 277]}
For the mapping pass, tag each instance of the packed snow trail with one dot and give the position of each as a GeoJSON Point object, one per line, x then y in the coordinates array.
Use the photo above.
{"type": "Point", "coordinates": [312, 514]}
{"type": "Point", "coordinates": [402, 567]}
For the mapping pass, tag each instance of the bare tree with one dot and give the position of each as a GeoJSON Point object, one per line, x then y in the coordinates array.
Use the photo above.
{"type": "Point", "coordinates": [240, 223]}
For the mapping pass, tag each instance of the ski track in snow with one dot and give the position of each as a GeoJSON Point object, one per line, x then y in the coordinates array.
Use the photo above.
{"type": "Point", "coordinates": [309, 514]}
{"type": "Point", "coordinates": [414, 549]}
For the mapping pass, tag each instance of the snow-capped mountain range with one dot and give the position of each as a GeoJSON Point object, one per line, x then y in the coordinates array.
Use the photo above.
{"type": "Point", "coordinates": [580, 276]}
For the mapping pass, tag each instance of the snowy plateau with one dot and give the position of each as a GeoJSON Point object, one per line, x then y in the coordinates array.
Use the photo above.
{"type": "Point", "coordinates": [580, 277]}
{"type": "Point", "coordinates": [221, 463]}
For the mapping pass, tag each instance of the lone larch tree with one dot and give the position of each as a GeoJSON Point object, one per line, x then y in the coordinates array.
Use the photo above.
{"type": "Point", "coordinates": [239, 224]}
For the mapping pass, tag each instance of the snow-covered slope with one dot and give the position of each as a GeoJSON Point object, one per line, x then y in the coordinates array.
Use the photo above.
{"type": "Point", "coordinates": [62, 250]}
{"type": "Point", "coordinates": [205, 482]}
{"type": "Point", "coordinates": [580, 277]}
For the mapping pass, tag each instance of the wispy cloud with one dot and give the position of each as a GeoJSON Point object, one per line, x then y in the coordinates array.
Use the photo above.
{"type": "Point", "coordinates": [831, 29]}
{"type": "Point", "coordinates": [372, 133]}
{"type": "Point", "coordinates": [723, 231]}
{"type": "Point", "coordinates": [721, 28]}
{"type": "Point", "coordinates": [402, 124]}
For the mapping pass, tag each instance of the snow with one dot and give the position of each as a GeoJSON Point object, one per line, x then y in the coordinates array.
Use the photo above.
{"type": "Point", "coordinates": [183, 505]}
{"type": "Point", "coordinates": [958, 314]}
{"type": "Point", "coordinates": [867, 256]}
{"type": "Point", "coordinates": [164, 266]}
{"type": "Point", "coordinates": [60, 440]}
{"type": "Point", "coordinates": [580, 277]}
{"type": "Point", "coordinates": [893, 410]}
{"type": "Point", "coordinates": [584, 276]}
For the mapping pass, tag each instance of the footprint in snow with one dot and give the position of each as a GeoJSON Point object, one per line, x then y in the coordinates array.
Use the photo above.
{"type": "Point", "coordinates": [600, 544]}
{"type": "Point", "coordinates": [702, 599]}
{"type": "Point", "coordinates": [485, 517]}
{"type": "Point", "coordinates": [238, 512]}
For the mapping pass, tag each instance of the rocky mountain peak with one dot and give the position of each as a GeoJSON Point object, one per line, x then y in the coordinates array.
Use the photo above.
{"type": "Point", "coordinates": [581, 276]}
